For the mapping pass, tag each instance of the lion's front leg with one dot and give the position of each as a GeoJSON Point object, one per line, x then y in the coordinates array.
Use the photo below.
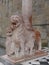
{"type": "Point", "coordinates": [17, 48]}
{"type": "Point", "coordinates": [22, 48]}
{"type": "Point", "coordinates": [27, 50]}
{"type": "Point", "coordinates": [17, 52]}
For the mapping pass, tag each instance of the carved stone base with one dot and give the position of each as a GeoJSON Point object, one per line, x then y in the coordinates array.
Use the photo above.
{"type": "Point", "coordinates": [27, 57]}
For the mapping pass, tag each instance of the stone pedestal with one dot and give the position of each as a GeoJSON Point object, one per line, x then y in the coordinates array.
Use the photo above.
{"type": "Point", "coordinates": [8, 61]}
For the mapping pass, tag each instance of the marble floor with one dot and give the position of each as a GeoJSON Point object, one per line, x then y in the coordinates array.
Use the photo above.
{"type": "Point", "coordinates": [38, 61]}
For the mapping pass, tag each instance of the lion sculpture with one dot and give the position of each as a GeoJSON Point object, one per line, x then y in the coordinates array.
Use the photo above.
{"type": "Point", "coordinates": [20, 41]}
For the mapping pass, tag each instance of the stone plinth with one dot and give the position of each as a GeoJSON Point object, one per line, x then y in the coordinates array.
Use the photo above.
{"type": "Point", "coordinates": [26, 58]}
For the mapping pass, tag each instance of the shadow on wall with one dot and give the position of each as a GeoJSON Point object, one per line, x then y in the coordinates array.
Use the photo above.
{"type": "Point", "coordinates": [2, 51]}
{"type": "Point", "coordinates": [2, 41]}
{"type": "Point", "coordinates": [2, 45]}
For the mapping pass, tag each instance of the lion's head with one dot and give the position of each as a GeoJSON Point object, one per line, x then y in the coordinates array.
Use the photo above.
{"type": "Point", "coordinates": [16, 20]}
